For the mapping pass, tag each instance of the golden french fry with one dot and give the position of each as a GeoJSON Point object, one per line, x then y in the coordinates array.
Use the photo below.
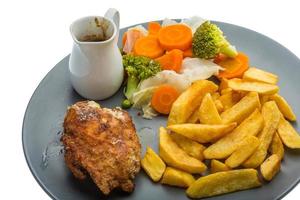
{"type": "Point", "coordinates": [177, 178]}
{"type": "Point", "coordinates": [227, 100]}
{"type": "Point", "coordinates": [223, 84]}
{"type": "Point", "coordinates": [226, 90]}
{"type": "Point", "coordinates": [224, 182]}
{"type": "Point", "coordinates": [153, 165]}
{"type": "Point", "coordinates": [254, 74]}
{"type": "Point", "coordinates": [264, 98]}
{"type": "Point", "coordinates": [242, 93]}
{"type": "Point", "coordinates": [242, 109]}
{"type": "Point", "coordinates": [270, 167]}
{"type": "Point", "coordinates": [244, 150]}
{"type": "Point", "coordinates": [202, 133]}
{"type": "Point", "coordinates": [217, 166]}
{"type": "Point", "coordinates": [284, 107]}
{"type": "Point", "coordinates": [194, 118]}
{"type": "Point", "coordinates": [289, 136]}
{"type": "Point", "coordinates": [226, 145]}
{"type": "Point", "coordinates": [219, 105]}
{"type": "Point", "coordinates": [261, 88]}
{"type": "Point", "coordinates": [191, 147]}
{"type": "Point", "coordinates": [271, 115]}
{"type": "Point", "coordinates": [237, 95]}
{"type": "Point", "coordinates": [277, 146]}
{"type": "Point", "coordinates": [174, 156]}
{"type": "Point", "coordinates": [189, 101]}
{"type": "Point", "coordinates": [215, 95]}
{"type": "Point", "coordinates": [208, 113]}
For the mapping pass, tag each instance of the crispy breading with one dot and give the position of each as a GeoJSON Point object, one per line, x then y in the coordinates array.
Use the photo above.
{"type": "Point", "coordinates": [103, 144]}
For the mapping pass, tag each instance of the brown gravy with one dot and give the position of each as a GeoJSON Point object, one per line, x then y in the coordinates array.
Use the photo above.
{"type": "Point", "coordinates": [92, 38]}
{"type": "Point", "coordinates": [95, 37]}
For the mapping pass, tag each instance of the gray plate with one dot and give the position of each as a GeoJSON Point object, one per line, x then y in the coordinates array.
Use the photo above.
{"type": "Point", "coordinates": [44, 116]}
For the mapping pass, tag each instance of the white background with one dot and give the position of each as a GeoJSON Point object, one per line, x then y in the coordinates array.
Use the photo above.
{"type": "Point", "coordinates": [34, 36]}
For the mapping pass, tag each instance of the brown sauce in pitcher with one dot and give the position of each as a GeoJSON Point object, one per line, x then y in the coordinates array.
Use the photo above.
{"type": "Point", "coordinates": [96, 37]}
{"type": "Point", "coordinates": [92, 38]}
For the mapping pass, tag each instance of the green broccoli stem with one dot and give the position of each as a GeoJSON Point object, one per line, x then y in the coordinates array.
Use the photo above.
{"type": "Point", "coordinates": [229, 51]}
{"type": "Point", "coordinates": [126, 104]}
{"type": "Point", "coordinates": [132, 83]}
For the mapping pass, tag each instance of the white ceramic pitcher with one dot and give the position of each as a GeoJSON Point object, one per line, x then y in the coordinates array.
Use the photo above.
{"type": "Point", "coordinates": [95, 65]}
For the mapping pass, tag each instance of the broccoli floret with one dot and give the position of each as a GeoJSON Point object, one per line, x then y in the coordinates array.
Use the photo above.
{"type": "Point", "coordinates": [208, 41]}
{"type": "Point", "coordinates": [138, 68]}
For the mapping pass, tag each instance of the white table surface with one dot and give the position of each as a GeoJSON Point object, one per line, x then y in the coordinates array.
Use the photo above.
{"type": "Point", "coordinates": [34, 36]}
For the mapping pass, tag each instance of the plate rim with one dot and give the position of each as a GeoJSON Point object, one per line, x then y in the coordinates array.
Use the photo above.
{"type": "Point", "coordinates": [31, 168]}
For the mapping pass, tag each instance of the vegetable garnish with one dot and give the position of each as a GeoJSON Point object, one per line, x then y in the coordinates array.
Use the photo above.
{"type": "Point", "coordinates": [153, 28]}
{"type": "Point", "coordinates": [208, 41]}
{"type": "Point", "coordinates": [178, 36]}
{"type": "Point", "coordinates": [193, 22]}
{"type": "Point", "coordinates": [188, 53]}
{"type": "Point", "coordinates": [138, 68]}
{"type": "Point", "coordinates": [171, 61]}
{"type": "Point", "coordinates": [142, 97]}
{"type": "Point", "coordinates": [126, 104]}
{"type": "Point", "coordinates": [148, 46]}
{"type": "Point", "coordinates": [129, 39]}
{"type": "Point", "coordinates": [192, 69]}
{"type": "Point", "coordinates": [220, 57]}
{"type": "Point", "coordinates": [234, 67]}
{"type": "Point", "coordinates": [168, 22]}
{"type": "Point", "coordinates": [163, 98]}
{"type": "Point", "coordinates": [124, 38]}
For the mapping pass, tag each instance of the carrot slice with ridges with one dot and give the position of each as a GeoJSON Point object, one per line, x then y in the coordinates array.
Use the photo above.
{"type": "Point", "coordinates": [234, 67]}
{"type": "Point", "coordinates": [176, 36]}
{"type": "Point", "coordinates": [148, 46]}
{"type": "Point", "coordinates": [163, 98]}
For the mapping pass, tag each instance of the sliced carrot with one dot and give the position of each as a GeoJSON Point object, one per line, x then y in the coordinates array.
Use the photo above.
{"type": "Point", "coordinates": [163, 98]}
{"type": "Point", "coordinates": [234, 67]}
{"type": "Point", "coordinates": [135, 33]}
{"type": "Point", "coordinates": [153, 28]}
{"type": "Point", "coordinates": [172, 60]}
{"type": "Point", "coordinates": [188, 53]}
{"type": "Point", "coordinates": [220, 57]}
{"type": "Point", "coordinates": [177, 36]}
{"type": "Point", "coordinates": [124, 38]}
{"type": "Point", "coordinates": [148, 46]}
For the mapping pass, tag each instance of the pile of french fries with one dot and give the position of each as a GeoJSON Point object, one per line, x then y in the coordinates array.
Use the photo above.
{"type": "Point", "coordinates": [239, 127]}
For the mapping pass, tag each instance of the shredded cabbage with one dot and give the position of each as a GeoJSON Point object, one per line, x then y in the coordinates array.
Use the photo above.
{"type": "Point", "coordinates": [179, 81]}
{"type": "Point", "coordinates": [142, 100]}
{"type": "Point", "coordinates": [192, 69]}
{"type": "Point", "coordinates": [168, 22]}
{"type": "Point", "coordinates": [193, 22]}
{"type": "Point", "coordinates": [199, 69]}
{"type": "Point", "coordinates": [142, 97]}
{"type": "Point", "coordinates": [140, 28]}
{"type": "Point", "coordinates": [148, 111]}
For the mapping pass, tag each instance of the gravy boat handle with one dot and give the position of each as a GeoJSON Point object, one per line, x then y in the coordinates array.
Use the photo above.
{"type": "Point", "coordinates": [113, 15]}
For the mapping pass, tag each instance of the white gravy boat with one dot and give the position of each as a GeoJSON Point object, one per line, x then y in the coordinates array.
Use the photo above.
{"type": "Point", "coordinates": [95, 64]}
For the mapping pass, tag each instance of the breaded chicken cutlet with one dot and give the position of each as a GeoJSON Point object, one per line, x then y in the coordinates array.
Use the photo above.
{"type": "Point", "coordinates": [103, 144]}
